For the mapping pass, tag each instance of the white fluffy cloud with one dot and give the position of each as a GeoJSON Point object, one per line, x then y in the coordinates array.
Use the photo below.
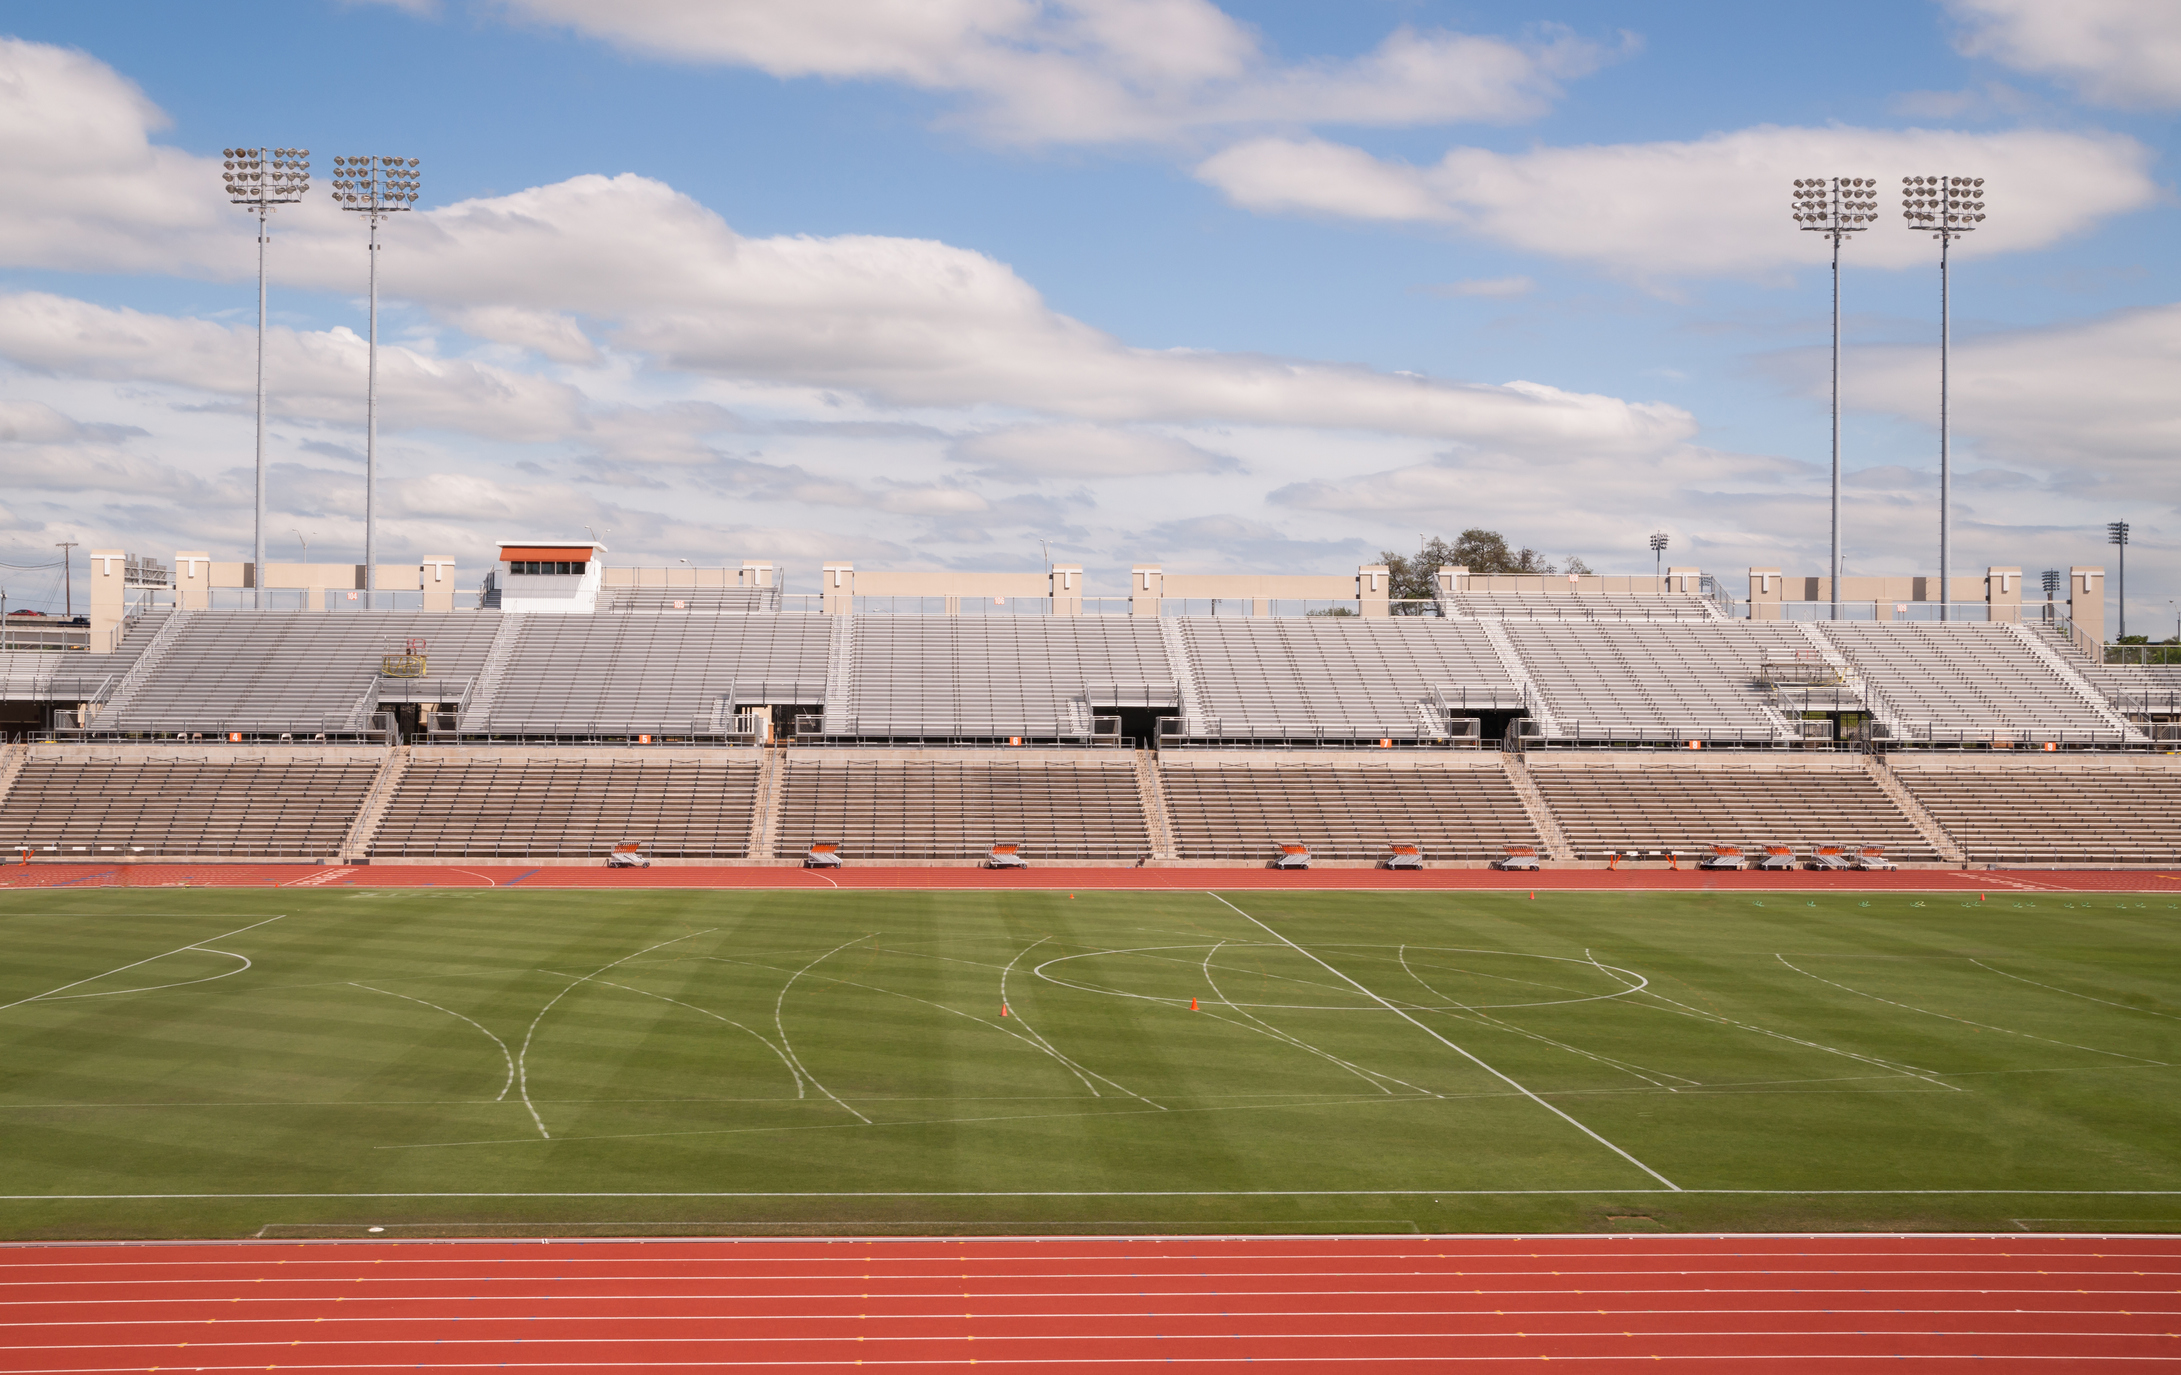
{"type": "Point", "coordinates": [1084, 451]}
{"type": "Point", "coordinates": [1088, 71]}
{"type": "Point", "coordinates": [1717, 205]}
{"type": "Point", "coordinates": [2115, 52]}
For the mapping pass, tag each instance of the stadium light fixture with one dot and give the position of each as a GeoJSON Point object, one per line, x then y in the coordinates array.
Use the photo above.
{"type": "Point", "coordinates": [258, 179]}
{"type": "Point", "coordinates": [1836, 207]}
{"type": "Point", "coordinates": [2116, 533]}
{"type": "Point", "coordinates": [1658, 556]}
{"type": "Point", "coordinates": [1946, 207]}
{"type": "Point", "coordinates": [374, 187]}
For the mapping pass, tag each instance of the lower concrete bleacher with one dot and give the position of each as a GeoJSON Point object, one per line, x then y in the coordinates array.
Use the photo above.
{"type": "Point", "coordinates": [106, 802]}
{"type": "Point", "coordinates": [2035, 809]}
{"type": "Point", "coordinates": [1343, 806]}
{"type": "Point", "coordinates": [954, 803]}
{"type": "Point", "coordinates": [570, 802]}
{"type": "Point", "coordinates": [1623, 801]}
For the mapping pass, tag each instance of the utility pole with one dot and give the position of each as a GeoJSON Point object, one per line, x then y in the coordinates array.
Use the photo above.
{"type": "Point", "coordinates": [68, 575]}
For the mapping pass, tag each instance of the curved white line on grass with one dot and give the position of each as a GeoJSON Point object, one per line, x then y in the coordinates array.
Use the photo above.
{"type": "Point", "coordinates": [1502, 1024]}
{"type": "Point", "coordinates": [153, 988]}
{"type": "Point", "coordinates": [793, 1072]}
{"type": "Point", "coordinates": [522, 1057]}
{"type": "Point", "coordinates": [1466, 1055]}
{"type": "Point", "coordinates": [1031, 1031]}
{"type": "Point", "coordinates": [1265, 1028]}
{"type": "Point", "coordinates": [1681, 1009]}
{"type": "Point", "coordinates": [50, 993]}
{"type": "Point", "coordinates": [2148, 1012]}
{"type": "Point", "coordinates": [1150, 951]}
{"type": "Point", "coordinates": [780, 1024]}
{"type": "Point", "coordinates": [502, 1096]}
{"type": "Point", "coordinates": [2027, 1036]}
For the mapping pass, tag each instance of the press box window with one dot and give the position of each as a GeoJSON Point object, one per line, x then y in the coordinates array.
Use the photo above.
{"type": "Point", "coordinates": [542, 566]}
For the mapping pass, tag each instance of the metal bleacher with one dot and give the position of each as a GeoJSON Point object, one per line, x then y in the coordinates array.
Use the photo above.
{"type": "Point", "coordinates": [1650, 801]}
{"type": "Point", "coordinates": [1342, 805]}
{"type": "Point", "coordinates": [1581, 606]}
{"type": "Point", "coordinates": [991, 677]}
{"type": "Point", "coordinates": [622, 674]}
{"type": "Point", "coordinates": [716, 601]}
{"type": "Point", "coordinates": [1338, 677]}
{"type": "Point", "coordinates": [93, 803]}
{"type": "Point", "coordinates": [570, 802]}
{"type": "Point", "coordinates": [2044, 809]}
{"type": "Point", "coordinates": [1978, 677]}
{"type": "Point", "coordinates": [954, 803]}
{"type": "Point", "coordinates": [1656, 682]}
{"type": "Point", "coordinates": [283, 671]}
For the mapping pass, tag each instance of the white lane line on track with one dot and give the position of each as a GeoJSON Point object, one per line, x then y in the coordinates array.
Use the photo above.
{"type": "Point", "coordinates": [779, 1023]}
{"type": "Point", "coordinates": [522, 1057]}
{"type": "Point", "coordinates": [49, 993]}
{"type": "Point", "coordinates": [2149, 1012]}
{"type": "Point", "coordinates": [510, 1055]}
{"type": "Point", "coordinates": [1404, 1016]}
{"type": "Point", "coordinates": [2007, 1031]}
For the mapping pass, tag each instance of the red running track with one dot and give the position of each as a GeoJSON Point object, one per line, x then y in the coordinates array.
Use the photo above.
{"type": "Point", "coordinates": [1771, 1303]}
{"type": "Point", "coordinates": [1057, 877]}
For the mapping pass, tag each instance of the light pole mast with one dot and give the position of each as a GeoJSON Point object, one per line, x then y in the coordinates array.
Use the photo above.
{"type": "Point", "coordinates": [1948, 207]}
{"type": "Point", "coordinates": [374, 187]}
{"type": "Point", "coordinates": [257, 179]}
{"type": "Point", "coordinates": [1836, 207]}
{"type": "Point", "coordinates": [2116, 534]}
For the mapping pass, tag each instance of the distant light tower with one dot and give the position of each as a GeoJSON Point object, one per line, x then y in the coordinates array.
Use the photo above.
{"type": "Point", "coordinates": [374, 187]}
{"type": "Point", "coordinates": [257, 179]}
{"type": "Point", "coordinates": [1836, 207]}
{"type": "Point", "coordinates": [2116, 533]}
{"type": "Point", "coordinates": [1658, 556]}
{"type": "Point", "coordinates": [1948, 207]}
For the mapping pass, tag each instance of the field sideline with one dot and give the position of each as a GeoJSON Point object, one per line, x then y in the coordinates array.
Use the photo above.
{"type": "Point", "coordinates": [316, 1062]}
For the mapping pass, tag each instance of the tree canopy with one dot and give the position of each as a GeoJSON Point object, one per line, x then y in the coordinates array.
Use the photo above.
{"type": "Point", "coordinates": [1478, 550]}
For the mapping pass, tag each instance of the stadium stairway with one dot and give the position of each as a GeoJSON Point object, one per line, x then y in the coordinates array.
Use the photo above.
{"type": "Point", "coordinates": [1933, 833]}
{"type": "Point", "coordinates": [1533, 801]}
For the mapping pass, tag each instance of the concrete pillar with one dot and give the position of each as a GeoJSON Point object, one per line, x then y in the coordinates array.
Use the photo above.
{"type": "Point", "coordinates": [1689, 580]}
{"type": "Point", "coordinates": [1067, 589]}
{"type": "Point", "coordinates": [109, 600]}
{"type": "Point", "coordinates": [435, 574]}
{"type": "Point", "coordinates": [755, 573]}
{"type": "Point", "coordinates": [1146, 586]}
{"type": "Point", "coordinates": [1374, 589]}
{"type": "Point", "coordinates": [192, 579]}
{"type": "Point", "coordinates": [837, 583]}
{"type": "Point", "coordinates": [1767, 590]}
{"type": "Point", "coordinates": [2086, 601]}
{"type": "Point", "coordinates": [2003, 593]}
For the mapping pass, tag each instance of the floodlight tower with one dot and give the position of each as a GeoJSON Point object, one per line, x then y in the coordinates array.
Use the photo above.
{"type": "Point", "coordinates": [1658, 556]}
{"type": "Point", "coordinates": [257, 179]}
{"type": "Point", "coordinates": [1947, 207]}
{"type": "Point", "coordinates": [374, 187]}
{"type": "Point", "coordinates": [2117, 534]}
{"type": "Point", "coordinates": [1836, 207]}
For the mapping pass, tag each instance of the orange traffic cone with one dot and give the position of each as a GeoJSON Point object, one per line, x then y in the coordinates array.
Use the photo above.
{"type": "Point", "coordinates": [1533, 897]}
{"type": "Point", "coordinates": [1193, 1005]}
{"type": "Point", "coordinates": [1003, 1009]}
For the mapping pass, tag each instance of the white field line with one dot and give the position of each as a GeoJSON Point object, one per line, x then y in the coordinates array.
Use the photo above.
{"type": "Point", "coordinates": [1036, 1043]}
{"type": "Point", "coordinates": [2148, 1012]}
{"type": "Point", "coordinates": [2027, 1036]}
{"type": "Point", "coordinates": [522, 1057]}
{"type": "Point", "coordinates": [1681, 1009]}
{"type": "Point", "coordinates": [779, 1023]}
{"type": "Point", "coordinates": [1371, 1077]}
{"type": "Point", "coordinates": [504, 1051]}
{"type": "Point", "coordinates": [49, 993]}
{"type": "Point", "coordinates": [1080, 1071]}
{"type": "Point", "coordinates": [154, 988]}
{"type": "Point", "coordinates": [793, 1072]}
{"type": "Point", "coordinates": [1502, 1024]}
{"type": "Point", "coordinates": [1404, 1016]}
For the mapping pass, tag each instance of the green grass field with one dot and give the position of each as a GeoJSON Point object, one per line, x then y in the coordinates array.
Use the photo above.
{"type": "Point", "coordinates": [308, 1063]}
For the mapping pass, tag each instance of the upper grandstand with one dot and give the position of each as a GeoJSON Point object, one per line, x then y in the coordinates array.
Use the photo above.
{"type": "Point", "coordinates": [564, 649]}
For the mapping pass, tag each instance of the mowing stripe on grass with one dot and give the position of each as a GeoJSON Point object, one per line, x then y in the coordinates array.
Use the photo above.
{"type": "Point", "coordinates": [1673, 1187]}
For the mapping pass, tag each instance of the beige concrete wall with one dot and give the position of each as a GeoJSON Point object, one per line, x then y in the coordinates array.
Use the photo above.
{"type": "Point", "coordinates": [1458, 579]}
{"type": "Point", "coordinates": [1370, 586]}
{"type": "Point", "coordinates": [750, 573]}
{"type": "Point", "coordinates": [2086, 600]}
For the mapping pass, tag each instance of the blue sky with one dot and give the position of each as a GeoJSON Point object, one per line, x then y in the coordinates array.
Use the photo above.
{"type": "Point", "coordinates": [1223, 287]}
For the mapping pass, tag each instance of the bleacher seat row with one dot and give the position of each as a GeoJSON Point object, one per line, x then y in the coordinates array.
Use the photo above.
{"type": "Point", "coordinates": [78, 802]}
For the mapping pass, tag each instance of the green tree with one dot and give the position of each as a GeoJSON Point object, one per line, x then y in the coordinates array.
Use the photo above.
{"type": "Point", "coordinates": [1478, 550]}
